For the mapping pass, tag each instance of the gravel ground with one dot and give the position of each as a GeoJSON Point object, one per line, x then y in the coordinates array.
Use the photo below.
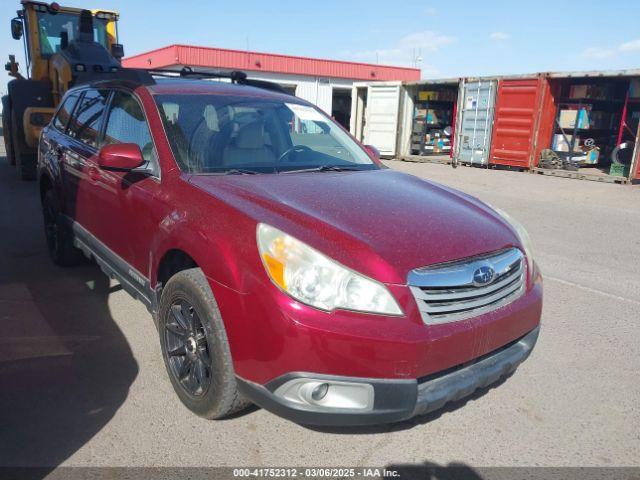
{"type": "Point", "coordinates": [82, 382]}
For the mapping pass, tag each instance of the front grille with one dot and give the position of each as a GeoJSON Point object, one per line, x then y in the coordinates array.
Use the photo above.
{"type": "Point", "coordinates": [456, 291]}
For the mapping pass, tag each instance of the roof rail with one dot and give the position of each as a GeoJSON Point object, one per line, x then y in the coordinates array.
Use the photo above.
{"type": "Point", "coordinates": [131, 75]}
{"type": "Point", "coordinates": [235, 76]}
{"type": "Point", "coordinates": [143, 76]}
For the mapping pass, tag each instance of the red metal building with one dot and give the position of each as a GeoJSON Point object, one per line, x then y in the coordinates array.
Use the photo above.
{"type": "Point", "coordinates": [225, 59]}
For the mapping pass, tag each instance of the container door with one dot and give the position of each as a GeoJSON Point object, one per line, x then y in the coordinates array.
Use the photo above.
{"type": "Point", "coordinates": [634, 172]}
{"type": "Point", "coordinates": [358, 108]}
{"type": "Point", "coordinates": [517, 108]}
{"type": "Point", "coordinates": [381, 128]}
{"type": "Point", "coordinates": [405, 122]}
{"type": "Point", "coordinates": [474, 134]}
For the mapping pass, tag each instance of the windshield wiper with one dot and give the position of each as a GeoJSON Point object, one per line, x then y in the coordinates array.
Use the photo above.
{"type": "Point", "coordinates": [235, 171]}
{"type": "Point", "coordinates": [324, 168]}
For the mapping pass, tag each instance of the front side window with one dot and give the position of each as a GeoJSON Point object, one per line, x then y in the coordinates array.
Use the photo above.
{"type": "Point", "coordinates": [51, 27]}
{"type": "Point", "coordinates": [126, 123]}
{"type": "Point", "coordinates": [87, 119]}
{"type": "Point", "coordinates": [64, 112]}
{"type": "Point", "coordinates": [217, 134]}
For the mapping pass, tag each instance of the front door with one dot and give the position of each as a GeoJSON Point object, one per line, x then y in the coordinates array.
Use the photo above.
{"type": "Point", "coordinates": [129, 200]}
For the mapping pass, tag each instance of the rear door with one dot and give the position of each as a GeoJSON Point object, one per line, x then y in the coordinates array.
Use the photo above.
{"type": "Point", "coordinates": [80, 157]}
{"type": "Point", "coordinates": [382, 112]}
{"type": "Point", "coordinates": [514, 131]}
{"type": "Point", "coordinates": [53, 143]}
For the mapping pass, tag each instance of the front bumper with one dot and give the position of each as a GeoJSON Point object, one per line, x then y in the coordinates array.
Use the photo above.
{"type": "Point", "coordinates": [395, 400]}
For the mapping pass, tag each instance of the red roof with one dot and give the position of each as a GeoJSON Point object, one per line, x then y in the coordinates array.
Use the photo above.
{"type": "Point", "coordinates": [266, 62]}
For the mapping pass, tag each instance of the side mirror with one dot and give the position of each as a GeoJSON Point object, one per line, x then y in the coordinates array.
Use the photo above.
{"type": "Point", "coordinates": [120, 157]}
{"type": "Point", "coordinates": [17, 29]}
{"type": "Point", "coordinates": [373, 151]}
{"type": "Point", "coordinates": [117, 51]}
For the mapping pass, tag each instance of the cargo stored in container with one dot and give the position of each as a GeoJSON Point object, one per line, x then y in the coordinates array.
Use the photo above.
{"type": "Point", "coordinates": [595, 127]}
{"type": "Point", "coordinates": [475, 121]}
{"type": "Point", "coordinates": [580, 125]}
{"type": "Point", "coordinates": [430, 113]}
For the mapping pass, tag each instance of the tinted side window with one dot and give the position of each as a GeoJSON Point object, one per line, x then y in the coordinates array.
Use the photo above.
{"type": "Point", "coordinates": [62, 117]}
{"type": "Point", "coordinates": [126, 123]}
{"type": "Point", "coordinates": [85, 125]}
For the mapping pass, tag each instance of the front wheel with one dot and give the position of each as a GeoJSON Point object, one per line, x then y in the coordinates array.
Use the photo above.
{"type": "Point", "coordinates": [195, 348]}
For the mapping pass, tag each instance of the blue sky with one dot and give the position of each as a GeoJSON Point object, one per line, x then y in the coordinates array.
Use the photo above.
{"type": "Point", "coordinates": [456, 38]}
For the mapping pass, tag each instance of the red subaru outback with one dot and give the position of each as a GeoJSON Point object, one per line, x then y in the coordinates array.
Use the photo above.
{"type": "Point", "coordinates": [283, 263]}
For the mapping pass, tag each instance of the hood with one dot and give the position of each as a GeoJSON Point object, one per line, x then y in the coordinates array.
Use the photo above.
{"type": "Point", "coordinates": [382, 223]}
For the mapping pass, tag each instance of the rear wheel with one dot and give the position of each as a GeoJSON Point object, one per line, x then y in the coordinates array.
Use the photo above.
{"type": "Point", "coordinates": [195, 348]}
{"type": "Point", "coordinates": [57, 233]}
{"type": "Point", "coordinates": [25, 159]}
{"type": "Point", "coordinates": [6, 130]}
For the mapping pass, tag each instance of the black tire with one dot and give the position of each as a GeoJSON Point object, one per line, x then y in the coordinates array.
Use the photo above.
{"type": "Point", "coordinates": [25, 159]}
{"type": "Point", "coordinates": [58, 235]}
{"type": "Point", "coordinates": [6, 129]}
{"type": "Point", "coordinates": [195, 347]}
{"type": "Point", "coordinates": [623, 153]}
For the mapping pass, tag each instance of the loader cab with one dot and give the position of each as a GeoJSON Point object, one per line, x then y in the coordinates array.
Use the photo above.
{"type": "Point", "coordinates": [49, 28]}
{"type": "Point", "coordinates": [55, 32]}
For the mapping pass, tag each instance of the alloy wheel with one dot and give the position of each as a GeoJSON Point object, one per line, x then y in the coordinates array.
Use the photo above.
{"type": "Point", "coordinates": [187, 349]}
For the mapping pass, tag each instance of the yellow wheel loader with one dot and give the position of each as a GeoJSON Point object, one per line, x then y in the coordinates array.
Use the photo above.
{"type": "Point", "coordinates": [62, 46]}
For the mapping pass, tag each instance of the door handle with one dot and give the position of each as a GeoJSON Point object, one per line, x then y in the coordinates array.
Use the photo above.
{"type": "Point", "coordinates": [94, 174]}
{"type": "Point", "coordinates": [56, 152]}
{"type": "Point", "coordinates": [72, 159]}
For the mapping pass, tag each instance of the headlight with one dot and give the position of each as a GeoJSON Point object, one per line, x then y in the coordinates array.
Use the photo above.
{"type": "Point", "coordinates": [314, 279]}
{"type": "Point", "coordinates": [523, 235]}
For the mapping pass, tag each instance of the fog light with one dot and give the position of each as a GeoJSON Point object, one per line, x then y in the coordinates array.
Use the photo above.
{"type": "Point", "coordinates": [320, 391]}
{"type": "Point", "coordinates": [327, 394]}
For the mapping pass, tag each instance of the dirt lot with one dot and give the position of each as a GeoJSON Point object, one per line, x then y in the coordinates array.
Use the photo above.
{"type": "Point", "coordinates": [83, 382]}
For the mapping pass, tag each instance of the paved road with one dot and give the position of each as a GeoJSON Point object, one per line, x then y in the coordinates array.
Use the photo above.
{"type": "Point", "coordinates": [82, 382]}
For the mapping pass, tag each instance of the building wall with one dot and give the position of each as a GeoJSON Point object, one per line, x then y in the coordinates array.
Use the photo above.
{"type": "Point", "coordinates": [317, 90]}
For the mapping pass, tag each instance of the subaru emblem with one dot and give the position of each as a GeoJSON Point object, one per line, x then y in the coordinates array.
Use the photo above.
{"type": "Point", "coordinates": [483, 275]}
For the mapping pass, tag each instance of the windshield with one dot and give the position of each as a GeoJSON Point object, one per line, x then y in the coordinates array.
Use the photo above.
{"type": "Point", "coordinates": [217, 134]}
{"type": "Point", "coordinates": [50, 28]}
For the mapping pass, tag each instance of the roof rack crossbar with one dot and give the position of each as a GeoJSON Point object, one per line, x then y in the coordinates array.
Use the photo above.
{"type": "Point", "coordinates": [234, 76]}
